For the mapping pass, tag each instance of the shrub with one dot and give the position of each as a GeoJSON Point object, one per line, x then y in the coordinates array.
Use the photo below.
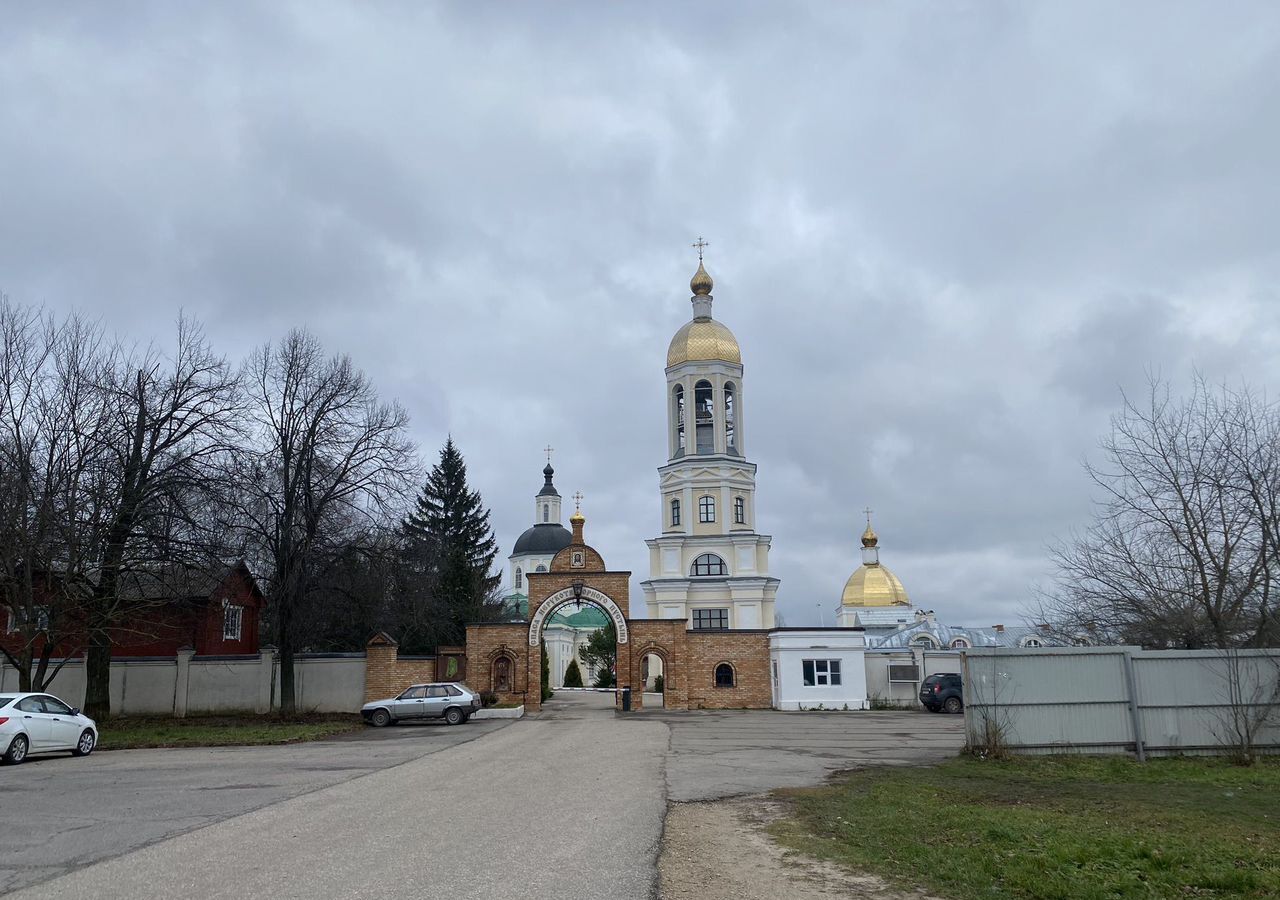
{"type": "Point", "coordinates": [573, 675]}
{"type": "Point", "coordinates": [604, 679]}
{"type": "Point", "coordinates": [488, 698]}
{"type": "Point", "coordinates": [659, 684]}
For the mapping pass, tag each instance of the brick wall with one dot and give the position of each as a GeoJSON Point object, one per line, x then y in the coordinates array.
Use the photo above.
{"type": "Point", "coordinates": [485, 644]}
{"type": "Point", "coordinates": [746, 651]}
{"type": "Point", "coordinates": [386, 675]}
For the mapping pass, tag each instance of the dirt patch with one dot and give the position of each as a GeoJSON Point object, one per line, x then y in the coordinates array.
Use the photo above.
{"type": "Point", "coordinates": [721, 851]}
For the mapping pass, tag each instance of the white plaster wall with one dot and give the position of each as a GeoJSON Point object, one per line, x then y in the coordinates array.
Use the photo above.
{"type": "Point", "coordinates": [223, 685]}
{"type": "Point", "coordinates": [788, 650]}
{"type": "Point", "coordinates": [931, 662]}
{"type": "Point", "coordinates": [149, 686]}
{"type": "Point", "coordinates": [329, 683]}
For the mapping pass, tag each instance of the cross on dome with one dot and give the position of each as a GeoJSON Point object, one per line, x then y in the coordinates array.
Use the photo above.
{"type": "Point", "coordinates": [577, 501]}
{"type": "Point", "coordinates": [700, 243]}
{"type": "Point", "coordinates": [548, 450]}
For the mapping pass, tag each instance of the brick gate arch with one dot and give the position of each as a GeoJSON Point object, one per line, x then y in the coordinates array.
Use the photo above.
{"type": "Point", "coordinates": [586, 594]}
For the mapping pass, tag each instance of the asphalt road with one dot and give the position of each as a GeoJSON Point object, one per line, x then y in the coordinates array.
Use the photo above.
{"type": "Point", "coordinates": [58, 813]}
{"type": "Point", "coordinates": [568, 803]}
{"type": "Point", "coordinates": [564, 804]}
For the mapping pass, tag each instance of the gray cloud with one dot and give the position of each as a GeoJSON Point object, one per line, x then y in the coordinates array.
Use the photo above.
{"type": "Point", "coordinates": [946, 238]}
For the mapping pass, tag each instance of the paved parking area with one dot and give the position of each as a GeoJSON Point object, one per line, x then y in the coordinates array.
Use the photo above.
{"type": "Point", "coordinates": [729, 753]}
{"type": "Point", "coordinates": [572, 799]}
{"type": "Point", "coordinates": [565, 804]}
{"type": "Point", "coordinates": [58, 813]}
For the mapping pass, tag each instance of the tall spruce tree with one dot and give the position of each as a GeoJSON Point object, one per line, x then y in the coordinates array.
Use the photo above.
{"type": "Point", "coordinates": [450, 550]}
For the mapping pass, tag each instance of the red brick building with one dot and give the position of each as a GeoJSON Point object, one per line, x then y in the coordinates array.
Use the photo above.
{"type": "Point", "coordinates": [215, 611]}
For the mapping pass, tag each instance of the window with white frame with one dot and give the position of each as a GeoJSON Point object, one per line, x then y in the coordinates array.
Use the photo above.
{"type": "Point", "coordinates": [519, 578]}
{"type": "Point", "coordinates": [1032, 642]}
{"type": "Point", "coordinates": [959, 644]}
{"type": "Point", "coordinates": [675, 510]}
{"type": "Point", "coordinates": [739, 511]}
{"type": "Point", "coordinates": [707, 509]}
{"type": "Point", "coordinates": [232, 622]}
{"type": "Point", "coordinates": [821, 672]}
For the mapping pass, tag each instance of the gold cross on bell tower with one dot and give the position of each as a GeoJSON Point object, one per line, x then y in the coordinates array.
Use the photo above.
{"type": "Point", "coordinates": [700, 243]}
{"type": "Point", "coordinates": [868, 510]}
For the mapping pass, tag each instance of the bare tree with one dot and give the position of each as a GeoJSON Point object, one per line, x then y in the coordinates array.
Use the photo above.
{"type": "Point", "coordinates": [51, 417]}
{"type": "Point", "coordinates": [1183, 549]}
{"type": "Point", "coordinates": [1250, 682]}
{"type": "Point", "coordinates": [171, 427]}
{"type": "Point", "coordinates": [328, 460]}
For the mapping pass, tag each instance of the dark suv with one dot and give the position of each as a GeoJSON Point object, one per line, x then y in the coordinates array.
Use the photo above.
{"type": "Point", "coordinates": [942, 692]}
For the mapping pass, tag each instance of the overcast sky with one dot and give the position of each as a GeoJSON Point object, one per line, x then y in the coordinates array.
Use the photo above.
{"type": "Point", "coordinates": [946, 235]}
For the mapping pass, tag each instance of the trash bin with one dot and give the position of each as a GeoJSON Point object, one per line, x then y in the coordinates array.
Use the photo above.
{"type": "Point", "coordinates": [626, 699]}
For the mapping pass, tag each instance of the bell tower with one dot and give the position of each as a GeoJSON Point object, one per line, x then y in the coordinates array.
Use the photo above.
{"type": "Point", "coordinates": [708, 566]}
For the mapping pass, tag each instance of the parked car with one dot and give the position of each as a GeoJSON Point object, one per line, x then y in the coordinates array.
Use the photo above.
{"type": "Point", "coordinates": [942, 692]}
{"type": "Point", "coordinates": [41, 723]}
{"type": "Point", "coordinates": [452, 702]}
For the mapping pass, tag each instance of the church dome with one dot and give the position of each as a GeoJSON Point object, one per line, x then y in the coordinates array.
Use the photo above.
{"type": "Point", "coordinates": [703, 339]}
{"type": "Point", "coordinates": [545, 537]}
{"type": "Point", "coordinates": [874, 585]}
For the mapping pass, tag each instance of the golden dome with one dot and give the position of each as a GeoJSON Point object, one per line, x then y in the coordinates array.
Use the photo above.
{"type": "Point", "coordinates": [703, 339]}
{"type": "Point", "coordinates": [874, 585]}
{"type": "Point", "coordinates": [701, 281]}
{"type": "Point", "coordinates": [869, 537]}
{"type": "Point", "coordinates": [577, 518]}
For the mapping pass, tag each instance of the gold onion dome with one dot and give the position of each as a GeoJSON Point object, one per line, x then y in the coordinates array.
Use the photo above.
{"type": "Point", "coordinates": [701, 282]}
{"type": "Point", "coordinates": [873, 584]}
{"type": "Point", "coordinates": [577, 518]}
{"type": "Point", "coordinates": [703, 339]}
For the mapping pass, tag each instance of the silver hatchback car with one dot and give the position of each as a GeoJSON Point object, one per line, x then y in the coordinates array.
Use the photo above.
{"type": "Point", "coordinates": [449, 701]}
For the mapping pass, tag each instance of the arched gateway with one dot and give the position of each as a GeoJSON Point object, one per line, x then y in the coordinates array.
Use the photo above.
{"type": "Point", "coordinates": [510, 653]}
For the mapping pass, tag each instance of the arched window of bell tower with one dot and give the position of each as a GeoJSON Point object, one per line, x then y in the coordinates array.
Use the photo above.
{"type": "Point", "coordinates": [730, 419]}
{"type": "Point", "coordinates": [546, 512]}
{"type": "Point", "coordinates": [677, 417]}
{"type": "Point", "coordinates": [704, 417]}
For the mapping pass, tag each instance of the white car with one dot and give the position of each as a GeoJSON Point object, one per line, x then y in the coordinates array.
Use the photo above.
{"type": "Point", "coordinates": [41, 723]}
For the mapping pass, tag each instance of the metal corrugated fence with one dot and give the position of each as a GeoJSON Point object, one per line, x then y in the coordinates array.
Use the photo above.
{"type": "Point", "coordinates": [1122, 699]}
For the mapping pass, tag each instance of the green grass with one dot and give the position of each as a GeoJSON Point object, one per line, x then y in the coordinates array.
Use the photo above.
{"type": "Point", "coordinates": [220, 731]}
{"type": "Point", "coordinates": [1053, 827]}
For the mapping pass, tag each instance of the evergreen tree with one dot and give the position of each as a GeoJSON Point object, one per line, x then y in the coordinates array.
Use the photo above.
{"type": "Point", "coordinates": [601, 651]}
{"type": "Point", "coordinates": [572, 675]}
{"type": "Point", "coordinates": [450, 550]}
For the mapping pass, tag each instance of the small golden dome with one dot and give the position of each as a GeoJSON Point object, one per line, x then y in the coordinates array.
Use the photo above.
{"type": "Point", "coordinates": [869, 537]}
{"type": "Point", "coordinates": [874, 585]}
{"type": "Point", "coordinates": [703, 339]}
{"type": "Point", "coordinates": [577, 518]}
{"type": "Point", "coordinates": [701, 281]}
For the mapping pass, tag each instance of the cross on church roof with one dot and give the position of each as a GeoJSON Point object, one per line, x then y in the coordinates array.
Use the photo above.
{"type": "Point", "coordinates": [548, 450]}
{"type": "Point", "coordinates": [868, 510]}
{"type": "Point", "coordinates": [700, 243]}
{"type": "Point", "coordinates": [577, 501]}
